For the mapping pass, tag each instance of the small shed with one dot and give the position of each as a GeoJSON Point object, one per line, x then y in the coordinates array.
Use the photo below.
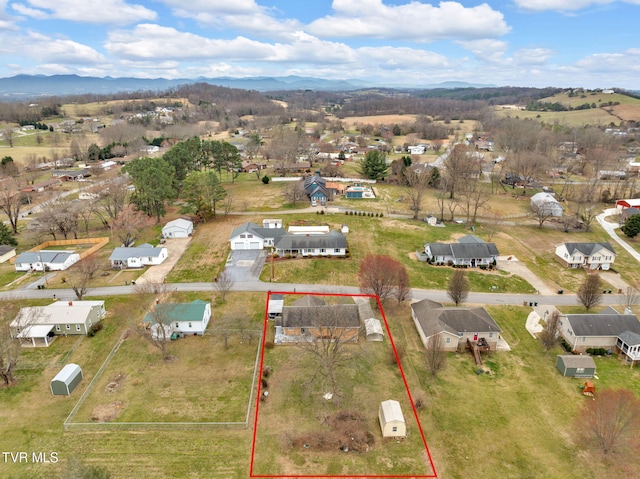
{"type": "Point", "coordinates": [391, 419]}
{"type": "Point", "coordinates": [179, 228]}
{"type": "Point", "coordinates": [6, 252]}
{"type": "Point", "coordinates": [66, 380]}
{"type": "Point", "coordinates": [576, 366]}
{"type": "Point", "coordinates": [373, 329]}
{"type": "Point", "coordinates": [276, 303]}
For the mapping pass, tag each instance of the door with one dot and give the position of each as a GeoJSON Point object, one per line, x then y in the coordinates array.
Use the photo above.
{"type": "Point", "coordinates": [475, 336]}
{"type": "Point", "coordinates": [238, 245]}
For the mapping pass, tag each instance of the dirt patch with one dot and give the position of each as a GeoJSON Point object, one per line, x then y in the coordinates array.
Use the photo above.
{"type": "Point", "coordinates": [343, 430]}
{"type": "Point", "coordinates": [107, 412]}
{"type": "Point", "coordinates": [115, 382]}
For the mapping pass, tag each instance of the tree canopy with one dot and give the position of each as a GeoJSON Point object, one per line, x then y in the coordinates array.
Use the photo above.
{"type": "Point", "coordinates": [153, 181]}
{"type": "Point", "coordinates": [374, 165]}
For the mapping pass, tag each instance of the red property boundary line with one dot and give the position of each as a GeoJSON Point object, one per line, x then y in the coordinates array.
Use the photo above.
{"type": "Point", "coordinates": [404, 380]}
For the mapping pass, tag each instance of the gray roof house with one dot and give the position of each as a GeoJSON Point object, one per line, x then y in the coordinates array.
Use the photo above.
{"type": "Point", "coordinates": [138, 256]}
{"type": "Point", "coordinates": [310, 318]}
{"type": "Point", "coordinates": [251, 236]}
{"type": "Point", "coordinates": [333, 243]}
{"type": "Point", "coordinates": [48, 260]}
{"type": "Point", "coordinates": [456, 324]}
{"type": "Point", "coordinates": [602, 330]}
{"type": "Point", "coordinates": [588, 255]}
{"type": "Point", "coordinates": [469, 250]}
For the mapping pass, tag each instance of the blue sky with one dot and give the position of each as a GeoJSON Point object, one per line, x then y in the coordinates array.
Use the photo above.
{"type": "Point", "coordinates": [560, 43]}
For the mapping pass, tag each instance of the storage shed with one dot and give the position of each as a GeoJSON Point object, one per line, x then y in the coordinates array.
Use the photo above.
{"type": "Point", "coordinates": [179, 228]}
{"type": "Point", "coordinates": [391, 419]}
{"type": "Point", "coordinates": [576, 366]}
{"type": "Point", "coordinates": [373, 328]}
{"type": "Point", "coordinates": [66, 380]}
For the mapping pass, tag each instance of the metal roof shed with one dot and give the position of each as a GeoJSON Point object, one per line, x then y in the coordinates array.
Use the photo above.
{"type": "Point", "coordinates": [66, 380]}
{"type": "Point", "coordinates": [391, 419]}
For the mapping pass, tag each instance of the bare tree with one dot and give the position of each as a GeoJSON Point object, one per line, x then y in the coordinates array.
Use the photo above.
{"type": "Point", "coordinates": [114, 196]}
{"type": "Point", "coordinates": [543, 211]}
{"type": "Point", "coordinates": [435, 354]}
{"type": "Point", "coordinates": [611, 423]}
{"type": "Point", "coordinates": [7, 136]}
{"type": "Point", "coordinates": [223, 284]}
{"type": "Point", "coordinates": [11, 201]}
{"type": "Point", "coordinates": [86, 270]}
{"type": "Point", "coordinates": [10, 345]}
{"type": "Point", "coordinates": [472, 197]}
{"type": "Point", "coordinates": [128, 224]}
{"type": "Point", "coordinates": [549, 334]}
{"type": "Point", "coordinates": [326, 339]}
{"type": "Point", "coordinates": [458, 289]}
{"type": "Point", "coordinates": [156, 326]}
{"type": "Point", "coordinates": [294, 192]}
{"type": "Point", "coordinates": [459, 167]}
{"type": "Point", "coordinates": [385, 277]}
{"type": "Point", "coordinates": [590, 291]}
{"type": "Point", "coordinates": [630, 297]}
{"type": "Point", "coordinates": [417, 182]}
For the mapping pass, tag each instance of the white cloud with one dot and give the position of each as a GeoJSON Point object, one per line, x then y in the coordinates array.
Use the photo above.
{"type": "Point", "coordinates": [60, 50]}
{"type": "Point", "coordinates": [148, 41]}
{"type": "Point", "coordinates": [565, 5]}
{"type": "Point", "coordinates": [489, 51]}
{"type": "Point", "coordinates": [627, 62]}
{"type": "Point", "coordinates": [401, 58]}
{"type": "Point", "coordinates": [532, 56]}
{"type": "Point", "coordinates": [218, 7]}
{"type": "Point", "coordinates": [416, 21]}
{"type": "Point", "coordinates": [91, 11]}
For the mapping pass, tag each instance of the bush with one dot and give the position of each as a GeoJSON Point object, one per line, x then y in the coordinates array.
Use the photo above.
{"type": "Point", "coordinates": [269, 345]}
{"type": "Point", "coordinates": [565, 345]}
{"type": "Point", "coordinates": [597, 351]}
{"type": "Point", "coordinates": [94, 329]}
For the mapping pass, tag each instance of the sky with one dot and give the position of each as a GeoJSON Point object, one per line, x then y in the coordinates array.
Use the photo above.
{"type": "Point", "coordinates": [534, 43]}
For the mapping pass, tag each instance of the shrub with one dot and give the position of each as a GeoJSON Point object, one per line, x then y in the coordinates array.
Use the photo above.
{"type": "Point", "coordinates": [565, 345]}
{"type": "Point", "coordinates": [95, 328]}
{"type": "Point", "coordinates": [269, 345]}
{"type": "Point", "coordinates": [265, 383]}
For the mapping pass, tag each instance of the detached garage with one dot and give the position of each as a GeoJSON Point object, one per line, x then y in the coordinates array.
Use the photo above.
{"type": "Point", "coordinates": [576, 366]}
{"type": "Point", "coordinates": [66, 380]}
{"type": "Point", "coordinates": [179, 228]}
{"type": "Point", "coordinates": [391, 419]}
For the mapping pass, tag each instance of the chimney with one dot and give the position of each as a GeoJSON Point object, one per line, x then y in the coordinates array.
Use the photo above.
{"type": "Point", "coordinates": [157, 300]}
{"type": "Point", "coordinates": [70, 303]}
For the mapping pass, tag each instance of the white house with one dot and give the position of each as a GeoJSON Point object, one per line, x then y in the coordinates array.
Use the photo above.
{"type": "Point", "coordinates": [39, 324]}
{"type": "Point", "coordinates": [332, 244]}
{"type": "Point", "coordinates": [183, 319]}
{"type": "Point", "coordinates": [137, 257]}
{"type": "Point", "coordinates": [546, 204]}
{"type": "Point", "coordinates": [48, 260]}
{"type": "Point", "coordinates": [586, 255]}
{"type": "Point", "coordinates": [600, 330]}
{"type": "Point", "coordinates": [416, 150]}
{"type": "Point", "coordinates": [251, 236]}
{"type": "Point", "coordinates": [179, 228]}
{"type": "Point", "coordinates": [391, 419]}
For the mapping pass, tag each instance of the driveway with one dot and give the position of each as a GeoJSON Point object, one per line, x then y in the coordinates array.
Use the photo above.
{"type": "Point", "coordinates": [245, 265]}
{"type": "Point", "coordinates": [175, 249]}
{"type": "Point", "coordinates": [513, 266]}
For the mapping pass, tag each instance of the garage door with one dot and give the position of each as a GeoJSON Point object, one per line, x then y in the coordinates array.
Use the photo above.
{"type": "Point", "coordinates": [238, 245]}
{"type": "Point", "coordinates": [254, 245]}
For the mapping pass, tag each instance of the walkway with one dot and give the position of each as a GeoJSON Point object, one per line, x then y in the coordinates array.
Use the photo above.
{"type": "Point", "coordinates": [610, 228]}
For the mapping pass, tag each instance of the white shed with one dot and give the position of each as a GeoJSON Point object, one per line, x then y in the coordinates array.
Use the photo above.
{"type": "Point", "coordinates": [391, 419]}
{"type": "Point", "coordinates": [66, 380]}
{"type": "Point", "coordinates": [373, 329]}
{"type": "Point", "coordinates": [179, 228]}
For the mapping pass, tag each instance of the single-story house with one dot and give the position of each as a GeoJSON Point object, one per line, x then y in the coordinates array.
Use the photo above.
{"type": "Point", "coordinates": [587, 255]}
{"type": "Point", "coordinates": [178, 228]}
{"type": "Point", "coordinates": [47, 260]}
{"type": "Point", "coordinates": [7, 252]}
{"type": "Point", "coordinates": [251, 236]}
{"type": "Point", "coordinates": [455, 324]}
{"type": "Point", "coordinates": [469, 250]}
{"type": "Point", "coordinates": [38, 324]}
{"type": "Point", "coordinates": [391, 419]}
{"type": "Point", "coordinates": [179, 318]}
{"type": "Point", "coordinates": [41, 186]}
{"type": "Point", "coordinates": [138, 256]}
{"type": "Point", "coordinates": [628, 343]}
{"type": "Point", "coordinates": [310, 318]}
{"type": "Point", "coordinates": [66, 380]}
{"type": "Point", "coordinates": [333, 244]}
{"type": "Point", "coordinates": [546, 204]}
{"type": "Point", "coordinates": [600, 330]}
{"type": "Point", "coordinates": [71, 175]}
{"type": "Point", "coordinates": [576, 366]}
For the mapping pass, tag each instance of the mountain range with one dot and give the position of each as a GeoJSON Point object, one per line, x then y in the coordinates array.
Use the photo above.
{"type": "Point", "coordinates": [24, 87]}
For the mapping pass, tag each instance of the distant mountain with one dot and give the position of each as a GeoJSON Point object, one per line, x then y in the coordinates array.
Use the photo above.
{"type": "Point", "coordinates": [23, 87]}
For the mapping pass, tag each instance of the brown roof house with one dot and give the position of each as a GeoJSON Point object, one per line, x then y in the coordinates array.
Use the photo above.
{"type": "Point", "coordinates": [310, 318]}
{"type": "Point", "coordinates": [455, 324]}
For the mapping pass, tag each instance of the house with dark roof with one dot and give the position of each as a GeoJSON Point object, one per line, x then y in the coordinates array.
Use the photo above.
{"type": "Point", "coordinates": [332, 243]}
{"type": "Point", "coordinates": [607, 330]}
{"type": "Point", "coordinates": [315, 186]}
{"type": "Point", "coordinates": [46, 260]}
{"type": "Point", "coordinates": [455, 324]}
{"type": "Point", "coordinates": [251, 236]}
{"type": "Point", "coordinates": [586, 255]}
{"type": "Point", "coordinates": [310, 318]}
{"type": "Point", "coordinates": [7, 252]}
{"type": "Point", "coordinates": [469, 251]}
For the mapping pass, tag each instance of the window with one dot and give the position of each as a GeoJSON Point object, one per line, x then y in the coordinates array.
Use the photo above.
{"type": "Point", "coordinates": [177, 325]}
{"type": "Point", "coordinates": [189, 324]}
{"type": "Point", "coordinates": [68, 326]}
{"type": "Point", "coordinates": [579, 370]}
{"type": "Point", "coordinates": [336, 250]}
{"type": "Point", "coordinates": [243, 236]}
{"type": "Point", "coordinates": [249, 236]}
{"type": "Point", "coordinates": [57, 327]}
{"type": "Point", "coordinates": [323, 250]}
{"type": "Point", "coordinates": [78, 327]}
{"type": "Point", "coordinates": [394, 428]}
{"type": "Point", "coordinates": [491, 335]}
{"type": "Point", "coordinates": [584, 339]}
{"type": "Point", "coordinates": [448, 340]}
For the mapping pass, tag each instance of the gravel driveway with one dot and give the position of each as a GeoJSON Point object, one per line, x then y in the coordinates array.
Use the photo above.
{"type": "Point", "coordinates": [245, 265]}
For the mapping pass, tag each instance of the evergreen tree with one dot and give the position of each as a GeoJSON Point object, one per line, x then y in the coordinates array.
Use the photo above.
{"type": "Point", "coordinates": [374, 166]}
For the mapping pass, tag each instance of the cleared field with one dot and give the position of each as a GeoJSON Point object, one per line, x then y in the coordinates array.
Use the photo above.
{"type": "Point", "coordinates": [350, 121]}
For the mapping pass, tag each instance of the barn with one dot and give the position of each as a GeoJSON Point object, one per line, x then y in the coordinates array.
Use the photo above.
{"type": "Point", "coordinates": [576, 366]}
{"type": "Point", "coordinates": [391, 419]}
{"type": "Point", "coordinates": [66, 380]}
